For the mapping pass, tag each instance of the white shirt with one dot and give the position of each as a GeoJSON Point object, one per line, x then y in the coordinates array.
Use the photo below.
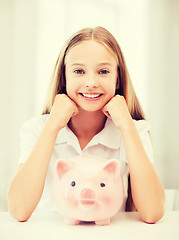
{"type": "Point", "coordinates": [108, 144]}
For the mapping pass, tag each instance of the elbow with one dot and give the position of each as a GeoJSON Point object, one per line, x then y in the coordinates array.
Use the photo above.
{"type": "Point", "coordinates": [152, 217]}
{"type": "Point", "coordinates": [153, 213]}
{"type": "Point", "coordinates": [17, 213]}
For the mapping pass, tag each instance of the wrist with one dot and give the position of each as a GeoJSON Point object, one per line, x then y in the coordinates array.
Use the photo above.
{"type": "Point", "coordinates": [128, 127]}
{"type": "Point", "coordinates": [52, 128]}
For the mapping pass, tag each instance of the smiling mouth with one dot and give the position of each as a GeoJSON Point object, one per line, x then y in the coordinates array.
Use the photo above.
{"type": "Point", "coordinates": [87, 203]}
{"type": "Point", "coordinates": [91, 95]}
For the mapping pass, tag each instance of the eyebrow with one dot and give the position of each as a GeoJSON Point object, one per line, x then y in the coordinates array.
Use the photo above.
{"type": "Point", "coordinates": [105, 63]}
{"type": "Point", "coordinates": [100, 64]}
{"type": "Point", "coordinates": [77, 64]}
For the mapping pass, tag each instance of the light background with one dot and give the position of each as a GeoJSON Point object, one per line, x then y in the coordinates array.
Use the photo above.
{"type": "Point", "coordinates": [32, 33]}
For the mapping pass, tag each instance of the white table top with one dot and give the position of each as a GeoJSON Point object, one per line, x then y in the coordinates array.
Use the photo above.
{"type": "Point", "coordinates": [123, 226]}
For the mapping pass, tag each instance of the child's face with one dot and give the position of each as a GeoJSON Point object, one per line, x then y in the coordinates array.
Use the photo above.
{"type": "Point", "coordinates": [91, 75]}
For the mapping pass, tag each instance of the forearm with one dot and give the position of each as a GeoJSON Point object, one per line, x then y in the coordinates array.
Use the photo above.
{"type": "Point", "coordinates": [27, 186]}
{"type": "Point", "coordinates": [147, 190]}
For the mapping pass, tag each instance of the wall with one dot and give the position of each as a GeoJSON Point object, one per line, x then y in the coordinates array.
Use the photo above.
{"type": "Point", "coordinates": [32, 34]}
{"type": "Point", "coordinates": [163, 87]}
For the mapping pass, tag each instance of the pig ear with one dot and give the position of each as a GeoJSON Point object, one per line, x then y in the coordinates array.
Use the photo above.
{"type": "Point", "coordinates": [112, 167]}
{"type": "Point", "coordinates": [63, 167]}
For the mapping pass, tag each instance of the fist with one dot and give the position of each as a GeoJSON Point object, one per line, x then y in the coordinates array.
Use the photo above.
{"type": "Point", "coordinates": [117, 110]}
{"type": "Point", "coordinates": [62, 110]}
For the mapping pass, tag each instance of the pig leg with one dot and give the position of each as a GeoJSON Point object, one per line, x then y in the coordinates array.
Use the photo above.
{"type": "Point", "coordinates": [103, 222]}
{"type": "Point", "coordinates": [70, 221]}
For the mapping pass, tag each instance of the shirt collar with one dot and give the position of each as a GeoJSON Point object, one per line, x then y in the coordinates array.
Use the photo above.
{"type": "Point", "coordinates": [65, 135]}
{"type": "Point", "coordinates": [110, 136]}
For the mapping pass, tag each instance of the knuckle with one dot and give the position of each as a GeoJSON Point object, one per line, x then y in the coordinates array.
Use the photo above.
{"type": "Point", "coordinates": [120, 98]}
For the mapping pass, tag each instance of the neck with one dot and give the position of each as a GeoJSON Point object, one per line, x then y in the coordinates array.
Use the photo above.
{"type": "Point", "coordinates": [87, 124]}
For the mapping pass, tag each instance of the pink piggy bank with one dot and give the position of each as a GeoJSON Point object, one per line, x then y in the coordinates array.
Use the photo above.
{"type": "Point", "coordinates": [87, 188]}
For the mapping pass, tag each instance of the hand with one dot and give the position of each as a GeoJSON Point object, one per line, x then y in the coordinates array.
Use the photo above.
{"type": "Point", "coordinates": [117, 110]}
{"type": "Point", "coordinates": [62, 110]}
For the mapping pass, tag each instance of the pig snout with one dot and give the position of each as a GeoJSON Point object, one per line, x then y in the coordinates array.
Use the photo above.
{"type": "Point", "coordinates": [87, 194]}
{"type": "Point", "coordinates": [87, 197]}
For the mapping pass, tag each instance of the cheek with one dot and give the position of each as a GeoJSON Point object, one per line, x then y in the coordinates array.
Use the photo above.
{"type": "Point", "coordinates": [70, 198]}
{"type": "Point", "coordinates": [112, 92]}
{"type": "Point", "coordinates": [110, 86]}
{"type": "Point", "coordinates": [70, 83]}
{"type": "Point", "coordinates": [72, 202]}
{"type": "Point", "coordinates": [107, 200]}
{"type": "Point", "coordinates": [71, 86]}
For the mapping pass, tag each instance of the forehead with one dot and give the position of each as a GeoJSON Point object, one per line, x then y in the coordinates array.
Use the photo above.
{"type": "Point", "coordinates": [90, 50]}
{"type": "Point", "coordinates": [89, 172]}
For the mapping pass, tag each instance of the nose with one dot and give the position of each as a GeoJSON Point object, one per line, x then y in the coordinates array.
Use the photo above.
{"type": "Point", "coordinates": [91, 82]}
{"type": "Point", "coordinates": [87, 193]}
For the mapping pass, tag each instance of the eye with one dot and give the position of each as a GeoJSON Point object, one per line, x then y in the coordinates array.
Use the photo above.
{"type": "Point", "coordinates": [79, 71]}
{"type": "Point", "coordinates": [73, 183]}
{"type": "Point", "coordinates": [103, 71]}
{"type": "Point", "coordinates": [102, 184]}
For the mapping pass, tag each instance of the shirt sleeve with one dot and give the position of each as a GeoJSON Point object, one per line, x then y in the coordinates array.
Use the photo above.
{"type": "Point", "coordinates": [29, 133]}
{"type": "Point", "coordinates": [143, 128]}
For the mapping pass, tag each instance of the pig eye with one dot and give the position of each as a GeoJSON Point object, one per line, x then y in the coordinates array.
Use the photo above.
{"type": "Point", "coordinates": [102, 184]}
{"type": "Point", "coordinates": [73, 183]}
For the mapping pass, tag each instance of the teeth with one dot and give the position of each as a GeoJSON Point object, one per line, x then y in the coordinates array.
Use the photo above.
{"type": "Point", "coordinates": [92, 95]}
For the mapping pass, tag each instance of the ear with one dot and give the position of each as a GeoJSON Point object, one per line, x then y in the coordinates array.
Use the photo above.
{"type": "Point", "coordinates": [112, 167]}
{"type": "Point", "coordinates": [63, 167]}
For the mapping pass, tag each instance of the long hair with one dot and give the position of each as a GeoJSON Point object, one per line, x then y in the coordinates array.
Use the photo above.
{"type": "Point", "coordinates": [124, 84]}
{"type": "Point", "coordinates": [101, 35]}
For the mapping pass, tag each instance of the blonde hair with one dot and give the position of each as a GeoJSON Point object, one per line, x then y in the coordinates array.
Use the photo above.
{"type": "Point", "coordinates": [101, 35]}
{"type": "Point", "coordinates": [124, 84]}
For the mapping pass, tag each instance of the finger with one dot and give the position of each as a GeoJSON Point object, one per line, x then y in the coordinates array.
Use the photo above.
{"type": "Point", "coordinates": [107, 114]}
{"type": "Point", "coordinates": [75, 112]}
{"type": "Point", "coordinates": [105, 111]}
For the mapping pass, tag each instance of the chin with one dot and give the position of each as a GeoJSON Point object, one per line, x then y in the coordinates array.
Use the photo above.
{"type": "Point", "coordinates": [90, 109]}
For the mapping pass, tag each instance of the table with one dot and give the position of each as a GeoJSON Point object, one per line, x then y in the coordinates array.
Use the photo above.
{"type": "Point", "coordinates": [123, 226]}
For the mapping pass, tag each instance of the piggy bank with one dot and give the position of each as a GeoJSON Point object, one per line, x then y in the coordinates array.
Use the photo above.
{"type": "Point", "coordinates": [88, 189]}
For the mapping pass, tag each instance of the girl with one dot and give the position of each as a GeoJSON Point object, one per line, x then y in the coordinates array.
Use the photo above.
{"type": "Point", "coordinates": [91, 109]}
